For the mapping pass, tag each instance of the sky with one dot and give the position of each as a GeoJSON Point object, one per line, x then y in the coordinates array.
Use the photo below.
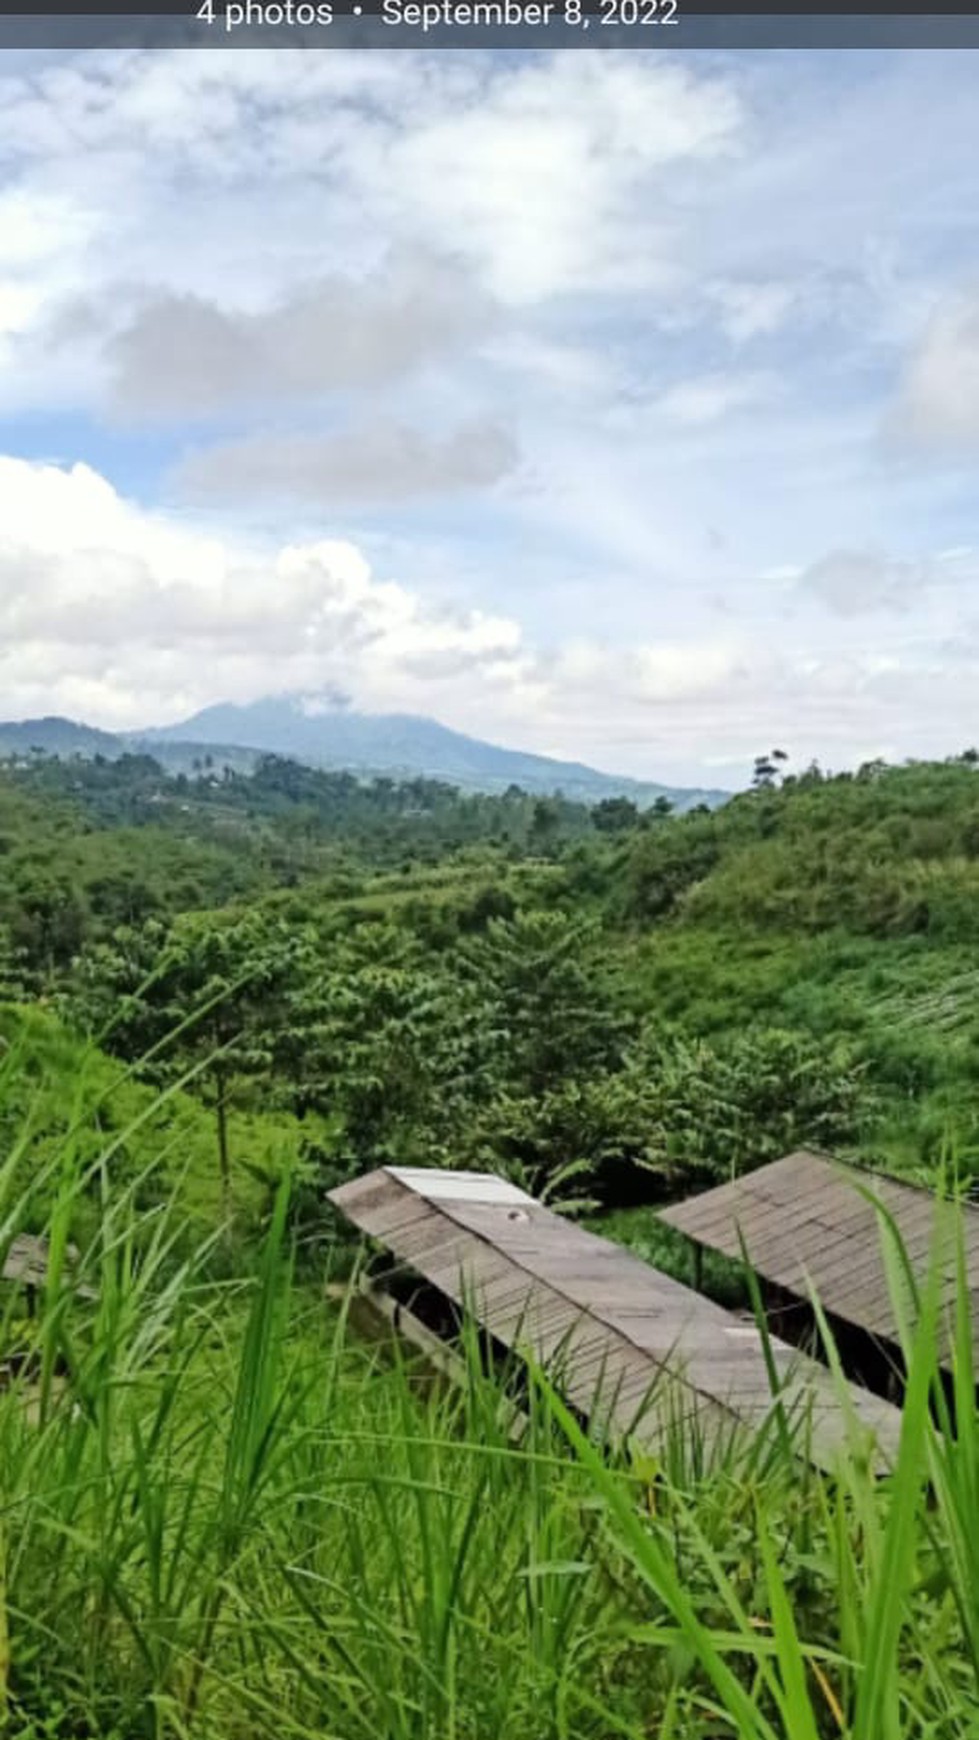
{"type": "Point", "coordinates": [618, 406]}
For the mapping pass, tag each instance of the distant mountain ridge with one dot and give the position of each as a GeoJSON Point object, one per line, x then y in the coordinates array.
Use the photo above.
{"type": "Point", "coordinates": [56, 736]}
{"type": "Point", "coordinates": [396, 745]}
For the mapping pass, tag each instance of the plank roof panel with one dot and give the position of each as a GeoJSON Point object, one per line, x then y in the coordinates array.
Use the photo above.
{"type": "Point", "coordinates": [607, 1322]}
{"type": "Point", "coordinates": [807, 1224]}
{"type": "Point", "coordinates": [27, 1258]}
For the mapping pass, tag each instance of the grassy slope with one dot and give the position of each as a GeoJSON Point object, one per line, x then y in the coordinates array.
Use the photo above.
{"type": "Point", "coordinates": [908, 1009]}
{"type": "Point", "coordinates": [227, 1521]}
{"type": "Point", "coordinates": [847, 908]}
{"type": "Point", "coordinates": [56, 1086]}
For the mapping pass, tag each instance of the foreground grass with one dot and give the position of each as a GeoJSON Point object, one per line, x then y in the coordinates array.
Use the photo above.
{"type": "Point", "coordinates": [222, 1515]}
{"type": "Point", "coordinates": [60, 1095]}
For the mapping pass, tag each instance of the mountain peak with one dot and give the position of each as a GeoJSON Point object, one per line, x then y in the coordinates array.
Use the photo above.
{"type": "Point", "coordinates": [325, 731]}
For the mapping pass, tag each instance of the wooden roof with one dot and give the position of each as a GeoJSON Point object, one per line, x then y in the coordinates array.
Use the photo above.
{"type": "Point", "coordinates": [27, 1258]}
{"type": "Point", "coordinates": [608, 1325]}
{"type": "Point", "coordinates": [809, 1223]}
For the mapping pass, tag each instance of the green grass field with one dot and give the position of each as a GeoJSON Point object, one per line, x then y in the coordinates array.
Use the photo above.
{"type": "Point", "coordinates": [224, 1515]}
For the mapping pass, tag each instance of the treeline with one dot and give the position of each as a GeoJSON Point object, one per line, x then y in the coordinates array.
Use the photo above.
{"type": "Point", "coordinates": [87, 844]}
{"type": "Point", "coordinates": [596, 1002]}
{"type": "Point", "coordinates": [842, 908]}
{"type": "Point", "coordinates": [310, 803]}
{"type": "Point", "coordinates": [67, 879]}
{"type": "Point", "coordinates": [470, 1032]}
{"type": "Point", "coordinates": [888, 851]}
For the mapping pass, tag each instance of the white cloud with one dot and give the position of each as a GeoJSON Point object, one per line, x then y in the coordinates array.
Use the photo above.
{"type": "Point", "coordinates": [537, 176]}
{"type": "Point", "coordinates": [376, 462]}
{"type": "Point", "coordinates": [752, 309]}
{"type": "Point", "coordinates": [139, 616]}
{"type": "Point", "coordinates": [938, 400]}
{"type": "Point", "coordinates": [17, 308]}
{"type": "Point", "coordinates": [644, 675]}
{"type": "Point", "coordinates": [260, 254]}
{"type": "Point", "coordinates": [674, 673]}
{"type": "Point", "coordinates": [125, 617]}
{"type": "Point", "coordinates": [166, 170]}
{"type": "Point", "coordinates": [129, 618]}
{"type": "Point", "coordinates": [711, 397]}
{"type": "Point", "coordinates": [855, 582]}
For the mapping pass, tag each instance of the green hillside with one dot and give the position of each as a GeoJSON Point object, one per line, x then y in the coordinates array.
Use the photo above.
{"type": "Point", "coordinates": [802, 964]}
{"type": "Point", "coordinates": [225, 1515]}
{"type": "Point", "coordinates": [62, 1098]}
{"type": "Point", "coordinates": [843, 908]}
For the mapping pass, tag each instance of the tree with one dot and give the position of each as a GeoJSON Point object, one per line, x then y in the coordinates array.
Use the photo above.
{"type": "Point", "coordinates": [201, 996]}
{"type": "Point", "coordinates": [48, 919]}
{"type": "Point", "coordinates": [813, 775]}
{"type": "Point", "coordinates": [491, 902]}
{"type": "Point", "coordinates": [231, 975]}
{"type": "Point", "coordinates": [722, 1108]}
{"type": "Point", "coordinates": [595, 1134]}
{"type": "Point", "coordinates": [384, 1045]}
{"type": "Point", "coordinates": [767, 768]}
{"type": "Point", "coordinates": [548, 1013]}
{"type": "Point", "coordinates": [545, 822]}
{"type": "Point", "coordinates": [13, 969]}
{"type": "Point", "coordinates": [665, 861]}
{"type": "Point", "coordinates": [614, 815]}
{"type": "Point", "coordinates": [871, 770]}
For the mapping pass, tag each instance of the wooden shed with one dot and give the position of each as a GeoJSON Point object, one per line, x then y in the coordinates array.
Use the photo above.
{"type": "Point", "coordinates": [25, 1262]}
{"type": "Point", "coordinates": [27, 1259]}
{"type": "Point", "coordinates": [811, 1224]}
{"type": "Point", "coordinates": [618, 1336]}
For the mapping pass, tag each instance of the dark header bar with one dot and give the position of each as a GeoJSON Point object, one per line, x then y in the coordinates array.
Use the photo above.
{"type": "Point", "coordinates": [467, 15]}
{"type": "Point", "coordinates": [492, 25]}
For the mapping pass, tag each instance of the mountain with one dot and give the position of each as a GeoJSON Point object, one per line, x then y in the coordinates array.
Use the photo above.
{"type": "Point", "coordinates": [56, 736]}
{"type": "Point", "coordinates": [403, 745]}
{"type": "Point", "coordinates": [398, 745]}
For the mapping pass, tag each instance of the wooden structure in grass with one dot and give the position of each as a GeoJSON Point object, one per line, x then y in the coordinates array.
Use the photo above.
{"type": "Point", "coordinates": [810, 1224]}
{"type": "Point", "coordinates": [27, 1260]}
{"type": "Point", "coordinates": [633, 1351]}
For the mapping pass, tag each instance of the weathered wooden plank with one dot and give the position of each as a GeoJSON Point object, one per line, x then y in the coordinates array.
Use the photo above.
{"type": "Point", "coordinates": [808, 1224]}
{"type": "Point", "coordinates": [27, 1260]}
{"type": "Point", "coordinates": [615, 1331]}
{"type": "Point", "coordinates": [367, 1197]}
